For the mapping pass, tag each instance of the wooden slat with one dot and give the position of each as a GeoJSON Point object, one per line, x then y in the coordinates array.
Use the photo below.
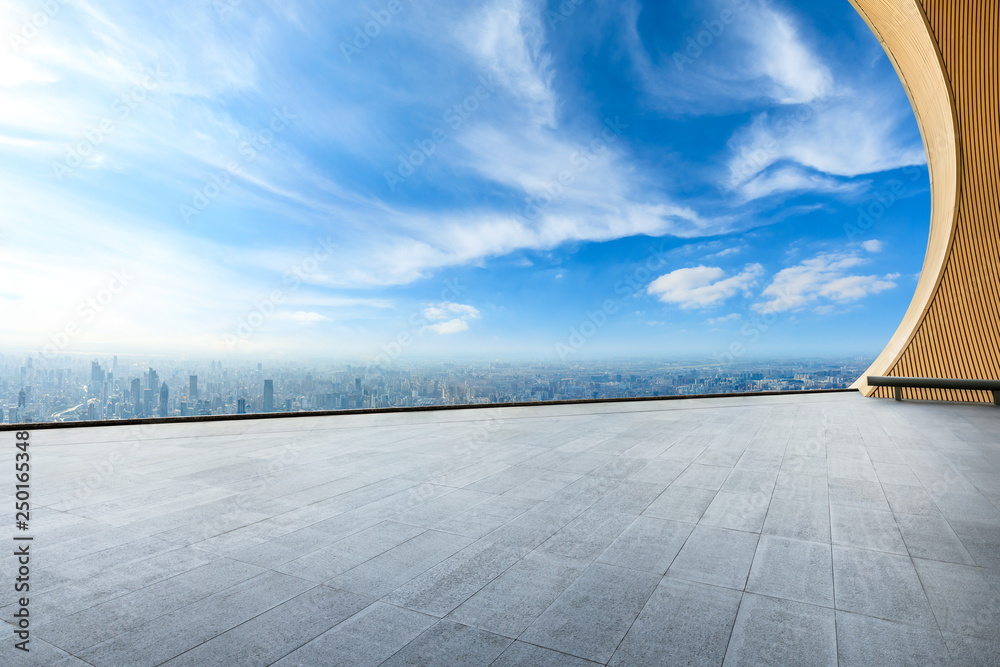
{"type": "Point", "coordinates": [946, 53]}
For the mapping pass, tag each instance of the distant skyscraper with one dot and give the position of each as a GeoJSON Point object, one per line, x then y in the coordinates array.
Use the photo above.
{"type": "Point", "coordinates": [268, 395]}
{"type": "Point", "coordinates": [153, 381]}
{"type": "Point", "coordinates": [164, 396]}
{"type": "Point", "coordinates": [357, 385]}
{"type": "Point", "coordinates": [241, 406]}
{"type": "Point", "coordinates": [22, 399]}
{"type": "Point", "coordinates": [193, 390]}
{"type": "Point", "coordinates": [96, 378]}
{"type": "Point", "coordinates": [147, 402]}
{"type": "Point", "coordinates": [136, 397]}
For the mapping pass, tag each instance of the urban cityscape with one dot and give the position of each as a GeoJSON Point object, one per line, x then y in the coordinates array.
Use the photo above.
{"type": "Point", "coordinates": [109, 387]}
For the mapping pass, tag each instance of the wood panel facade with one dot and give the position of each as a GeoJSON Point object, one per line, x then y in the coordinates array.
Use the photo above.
{"type": "Point", "coordinates": [946, 54]}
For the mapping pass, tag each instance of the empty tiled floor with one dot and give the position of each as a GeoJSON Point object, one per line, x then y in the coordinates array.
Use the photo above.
{"type": "Point", "coordinates": [814, 529]}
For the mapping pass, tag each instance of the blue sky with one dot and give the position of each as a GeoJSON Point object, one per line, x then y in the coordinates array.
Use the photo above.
{"type": "Point", "coordinates": [505, 178]}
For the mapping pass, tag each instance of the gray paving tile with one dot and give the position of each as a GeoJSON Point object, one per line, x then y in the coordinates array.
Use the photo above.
{"type": "Point", "coordinates": [798, 464]}
{"type": "Point", "coordinates": [715, 556]}
{"type": "Point", "coordinates": [972, 651]}
{"type": "Point", "coordinates": [863, 641]}
{"type": "Point", "coordinates": [904, 499]}
{"type": "Point", "coordinates": [738, 511]}
{"type": "Point", "coordinates": [538, 524]}
{"type": "Point", "coordinates": [802, 488]}
{"type": "Point", "coordinates": [648, 544]}
{"type": "Point", "coordinates": [511, 602]}
{"type": "Point", "coordinates": [793, 570]}
{"type": "Point", "coordinates": [520, 654]}
{"type": "Point", "coordinates": [780, 632]}
{"type": "Point", "coordinates": [443, 508]}
{"type": "Point", "coordinates": [264, 639]}
{"type": "Point", "coordinates": [750, 481]}
{"type": "Point", "coordinates": [851, 469]}
{"type": "Point", "coordinates": [865, 529]}
{"type": "Point", "coordinates": [170, 635]}
{"type": "Point", "coordinates": [683, 623]}
{"type": "Point", "coordinates": [967, 507]}
{"type": "Point", "coordinates": [450, 583]}
{"type": "Point", "coordinates": [982, 541]}
{"type": "Point", "coordinates": [486, 517]}
{"type": "Point", "coordinates": [629, 497]}
{"type": "Point", "coordinates": [659, 471]}
{"type": "Point", "coordinates": [107, 620]}
{"type": "Point", "coordinates": [680, 503]}
{"type": "Point", "coordinates": [962, 597]}
{"type": "Point", "coordinates": [879, 584]}
{"type": "Point", "coordinates": [395, 567]}
{"type": "Point", "coordinates": [328, 562]}
{"type": "Point", "coordinates": [857, 493]}
{"type": "Point", "coordinates": [592, 616]}
{"type": "Point", "coordinates": [367, 639]}
{"type": "Point", "coordinates": [797, 519]}
{"type": "Point", "coordinates": [588, 535]}
{"type": "Point", "coordinates": [929, 536]}
{"type": "Point", "coordinates": [447, 643]}
{"type": "Point", "coordinates": [700, 476]}
{"type": "Point", "coordinates": [544, 485]}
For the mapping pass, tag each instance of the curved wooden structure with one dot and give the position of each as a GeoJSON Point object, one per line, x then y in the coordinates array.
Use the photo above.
{"type": "Point", "coordinates": [946, 52]}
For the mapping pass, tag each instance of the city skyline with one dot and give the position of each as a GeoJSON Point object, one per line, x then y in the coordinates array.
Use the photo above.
{"type": "Point", "coordinates": [110, 388]}
{"type": "Point", "coordinates": [500, 175]}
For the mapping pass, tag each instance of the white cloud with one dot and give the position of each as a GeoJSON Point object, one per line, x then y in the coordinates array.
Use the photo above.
{"type": "Point", "coordinates": [507, 38]}
{"type": "Point", "coordinates": [824, 277]}
{"type": "Point", "coordinates": [702, 286]}
{"type": "Point", "coordinates": [441, 311]}
{"type": "Point", "coordinates": [761, 55]}
{"type": "Point", "coordinates": [450, 317]}
{"type": "Point", "coordinates": [308, 317]}
{"type": "Point", "coordinates": [450, 327]}
{"type": "Point", "coordinates": [873, 245]}
{"type": "Point", "coordinates": [791, 178]}
{"type": "Point", "coordinates": [722, 320]}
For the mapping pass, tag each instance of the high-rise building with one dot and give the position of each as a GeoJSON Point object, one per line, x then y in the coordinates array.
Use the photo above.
{"type": "Point", "coordinates": [164, 397]}
{"type": "Point", "coordinates": [136, 397]}
{"type": "Point", "coordinates": [193, 389]}
{"type": "Point", "coordinates": [241, 406]}
{"type": "Point", "coordinates": [268, 395]}
{"type": "Point", "coordinates": [153, 381]}
{"type": "Point", "coordinates": [96, 378]}
{"type": "Point", "coordinates": [147, 402]}
{"type": "Point", "coordinates": [22, 399]}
